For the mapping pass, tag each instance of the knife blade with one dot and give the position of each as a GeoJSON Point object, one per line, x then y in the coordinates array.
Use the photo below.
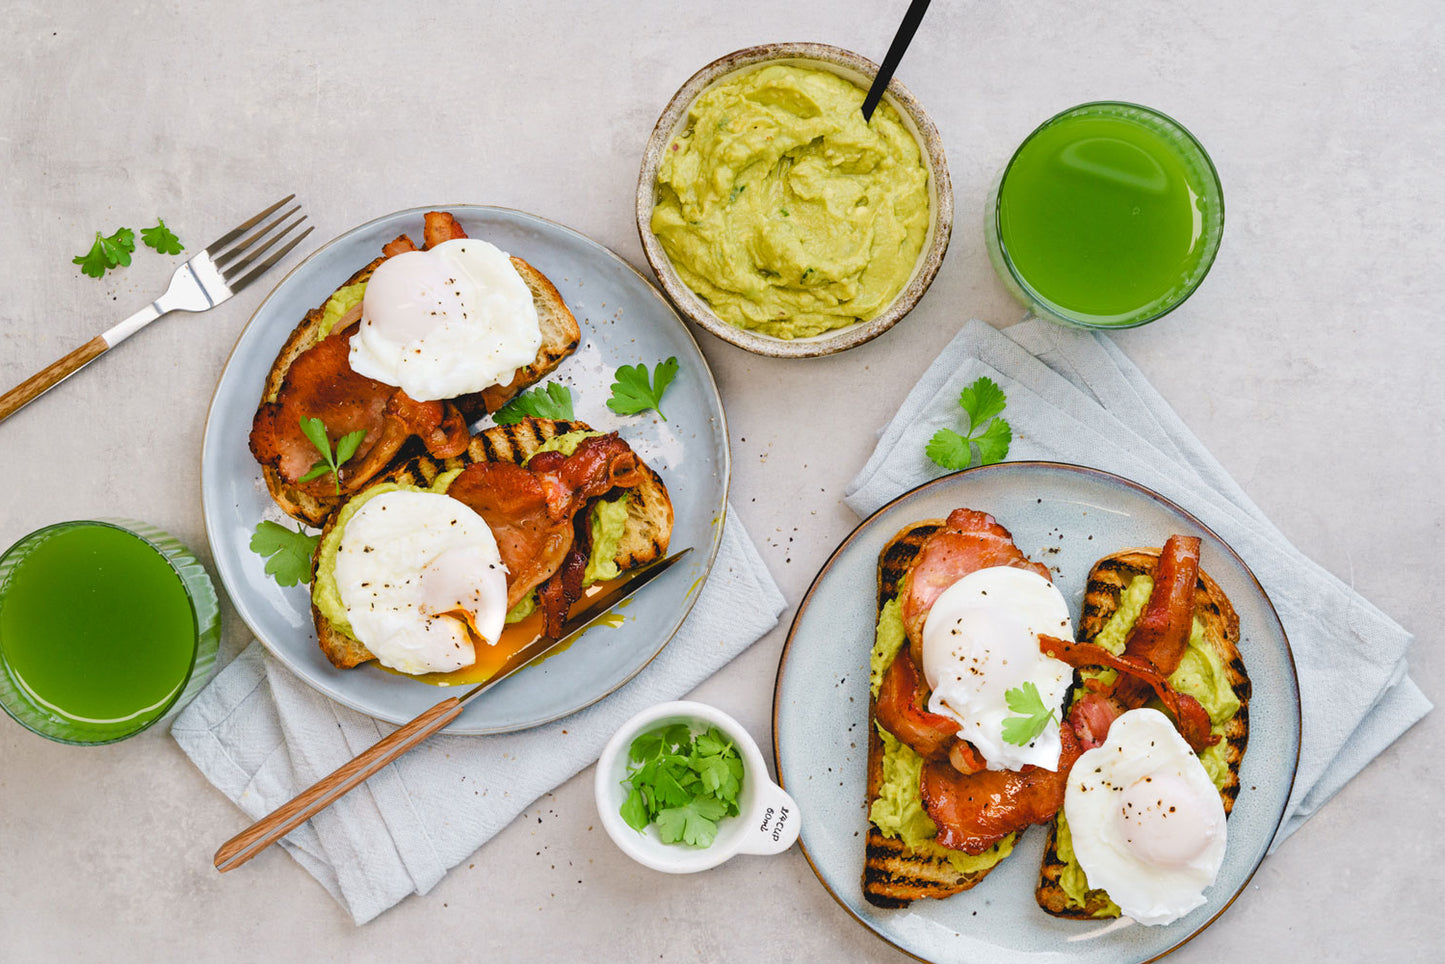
{"type": "Point", "coordinates": [577, 623]}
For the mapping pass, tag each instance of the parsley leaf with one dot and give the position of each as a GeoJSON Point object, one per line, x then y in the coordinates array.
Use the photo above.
{"type": "Point", "coordinates": [106, 252]}
{"type": "Point", "coordinates": [981, 401]}
{"type": "Point", "coordinates": [682, 784]}
{"type": "Point", "coordinates": [315, 430]}
{"type": "Point", "coordinates": [1034, 716]}
{"type": "Point", "coordinates": [634, 392]}
{"type": "Point", "coordinates": [287, 553]}
{"type": "Point", "coordinates": [694, 824]}
{"type": "Point", "coordinates": [550, 401]}
{"type": "Point", "coordinates": [162, 238]}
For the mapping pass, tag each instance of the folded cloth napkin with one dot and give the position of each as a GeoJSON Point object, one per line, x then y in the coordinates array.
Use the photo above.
{"type": "Point", "coordinates": [261, 736]}
{"type": "Point", "coordinates": [1074, 396]}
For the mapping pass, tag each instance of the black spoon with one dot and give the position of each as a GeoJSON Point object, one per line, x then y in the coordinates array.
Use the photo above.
{"type": "Point", "coordinates": [901, 40]}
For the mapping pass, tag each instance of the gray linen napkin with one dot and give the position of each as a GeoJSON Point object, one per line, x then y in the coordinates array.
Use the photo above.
{"type": "Point", "coordinates": [261, 736]}
{"type": "Point", "coordinates": [1074, 396]}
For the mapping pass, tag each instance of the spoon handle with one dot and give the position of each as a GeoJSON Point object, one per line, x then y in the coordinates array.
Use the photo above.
{"type": "Point", "coordinates": [345, 778]}
{"type": "Point", "coordinates": [911, 19]}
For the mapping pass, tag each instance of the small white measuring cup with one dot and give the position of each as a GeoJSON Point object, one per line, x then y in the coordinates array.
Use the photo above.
{"type": "Point", "coordinates": [767, 821]}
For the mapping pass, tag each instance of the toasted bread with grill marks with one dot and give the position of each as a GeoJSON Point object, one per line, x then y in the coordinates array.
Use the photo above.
{"type": "Point", "coordinates": [649, 511]}
{"type": "Point", "coordinates": [1107, 581]}
{"type": "Point", "coordinates": [560, 336]}
{"type": "Point", "coordinates": [895, 874]}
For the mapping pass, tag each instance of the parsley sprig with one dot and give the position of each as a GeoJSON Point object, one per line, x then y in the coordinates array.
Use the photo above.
{"type": "Point", "coordinates": [634, 392]}
{"type": "Point", "coordinates": [287, 552]}
{"type": "Point", "coordinates": [1033, 715]}
{"type": "Point", "coordinates": [330, 461]}
{"type": "Point", "coordinates": [161, 238]}
{"type": "Point", "coordinates": [683, 784]}
{"type": "Point", "coordinates": [550, 401]}
{"type": "Point", "coordinates": [110, 251]}
{"type": "Point", "coordinates": [982, 401]}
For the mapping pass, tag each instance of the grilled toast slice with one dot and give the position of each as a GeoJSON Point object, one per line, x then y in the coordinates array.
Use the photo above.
{"type": "Point", "coordinates": [645, 538]}
{"type": "Point", "coordinates": [895, 874]}
{"type": "Point", "coordinates": [1107, 581]}
{"type": "Point", "coordinates": [560, 337]}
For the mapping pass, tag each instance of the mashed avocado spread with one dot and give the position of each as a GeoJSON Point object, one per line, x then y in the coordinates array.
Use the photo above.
{"type": "Point", "coordinates": [786, 211]}
{"type": "Point", "coordinates": [341, 301]}
{"type": "Point", "coordinates": [898, 810]}
{"type": "Point", "coordinates": [1201, 674]}
{"type": "Point", "coordinates": [609, 518]}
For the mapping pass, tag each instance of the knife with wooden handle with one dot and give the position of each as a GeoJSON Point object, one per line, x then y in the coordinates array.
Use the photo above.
{"type": "Point", "coordinates": [350, 775]}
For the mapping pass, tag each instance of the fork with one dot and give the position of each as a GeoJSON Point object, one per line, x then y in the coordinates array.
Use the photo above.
{"type": "Point", "coordinates": [206, 280]}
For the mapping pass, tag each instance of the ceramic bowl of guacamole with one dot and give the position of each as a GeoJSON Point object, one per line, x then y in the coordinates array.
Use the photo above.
{"type": "Point", "coordinates": [780, 220]}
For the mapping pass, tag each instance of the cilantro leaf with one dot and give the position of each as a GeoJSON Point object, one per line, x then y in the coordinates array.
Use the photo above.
{"type": "Point", "coordinates": [550, 401]}
{"type": "Point", "coordinates": [346, 445]}
{"type": "Point", "coordinates": [633, 391]}
{"type": "Point", "coordinates": [982, 401]}
{"type": "Point", "coordinates": [315, 430]}
{"type": "Point", "coordinates": [646, 746]}
{"type": "Point", "coordinates": [993, 443]}
{"type": "Point", "coordinates": [1034, 716]}
{"type": "Point", "coordinates": [94, 262]}
{"type": "Point", "coordinates": [694, 824]}
{"type": "Point", "coordinates": [287, 553]}
{"type": "Point", "coordinates": [162, 238]}
{"type": "Point", "coordinates": [634, 811]}
{"type": "Point", "coordinates": [949, 449]}
{"type": "Point", "coordinates": [107, 252]}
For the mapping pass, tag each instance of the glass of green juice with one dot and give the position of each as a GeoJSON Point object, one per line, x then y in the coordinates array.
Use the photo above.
{"type": "Point", "coordinates": [107, 627]}
{"type": "Point", "coordinates": [1108, 216]}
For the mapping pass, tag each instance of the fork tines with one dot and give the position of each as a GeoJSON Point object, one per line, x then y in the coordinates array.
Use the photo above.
{"type": "Point", "coordinates": [232, 257]}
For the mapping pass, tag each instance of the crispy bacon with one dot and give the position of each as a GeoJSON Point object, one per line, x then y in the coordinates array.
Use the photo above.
{"type": "Point", "coordinates": [1091, 716]}
{"type": "Point", "coordinates": [1161, 633]}
{"type": "Point", "coordinates": [929, 734]}
{"type": "Point", "coordinates": [440, 226]}
{"type": "Point", "coordinates": [400, 245]}
{"type": "Point", "coordinates": [531, 510]}
{"type": "Point", "coordinates": [564, 588]}
{"type": "Point", "coordinates": [977, 810]}
{"type": "Point", "coordinates": [1190, 717]}
{"type": "Point", "coordinates": [969, 541]}
{"type": "Point", "coordinates": [321, 384]}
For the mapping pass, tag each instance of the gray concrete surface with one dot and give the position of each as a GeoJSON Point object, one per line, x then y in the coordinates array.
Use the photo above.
{"type": "Point", "coordinates": [1308, 362]}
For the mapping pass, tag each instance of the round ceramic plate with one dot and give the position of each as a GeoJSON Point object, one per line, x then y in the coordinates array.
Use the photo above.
{"type": "Point", "coordinates": [1067, 517]}
{"type": "Point", "coordinates": [624, 321]}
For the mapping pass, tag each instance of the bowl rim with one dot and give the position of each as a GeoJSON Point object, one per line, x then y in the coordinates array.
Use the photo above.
{"type": "Point", "coordinates": [691, 306]}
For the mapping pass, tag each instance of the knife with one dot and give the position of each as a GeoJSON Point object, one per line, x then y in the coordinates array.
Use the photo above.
{"type": "Point", "coordinates": [350, 775]}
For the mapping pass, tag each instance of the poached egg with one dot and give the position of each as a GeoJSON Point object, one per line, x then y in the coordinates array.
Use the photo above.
{"type": "Point", "coordinates": [1148, 825]}
{"type": "Point", "coordinates": [444, 322]}
{"type": "Point", "coordinates": [980, 640]}
{"type": "Point", "coordinates": [420, 574]}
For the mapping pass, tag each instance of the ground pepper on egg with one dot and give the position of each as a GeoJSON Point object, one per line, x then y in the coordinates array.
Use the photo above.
{"type": "Point", "coordinates": [786, 211]}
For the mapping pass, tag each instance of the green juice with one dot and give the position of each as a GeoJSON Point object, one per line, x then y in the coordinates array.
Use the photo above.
{"type": "Point", "coordinates": [1109, 215]}
{"type": "Point", "coordinates": [97, 630]}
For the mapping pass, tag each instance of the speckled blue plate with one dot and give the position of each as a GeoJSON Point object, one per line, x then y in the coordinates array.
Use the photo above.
{"type": "Point", "coordinates": [1067, 517]}
{"type": "Point", "coordinates": [624, 321]}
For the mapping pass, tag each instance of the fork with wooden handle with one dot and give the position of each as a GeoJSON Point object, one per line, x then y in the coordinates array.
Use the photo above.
{"type": "Point", "coordinates": [206, 280]}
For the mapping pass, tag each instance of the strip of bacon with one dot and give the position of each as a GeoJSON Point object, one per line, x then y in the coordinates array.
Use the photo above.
{"type": "Point", "coordinates": [562, 589]}
{"type": "Point", "coordinates": [320, 384]}
{"type": "Point", "coordinates": [975, 811]}
{"type": "Point", "coordinates": [440, 226]}
{"type": "Point", "coordinates": [1161, 633]}
{"type": "Point", "coordinates": [969, 541]}
{"type": "Point", "coordinates": [1189, 716]}
{"type": "Point", "coordinates": [929, 734]}
{"type": "Point", "coordinates": [531, 510]}
{"type": "Point", "coordinates": [400, 245]}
